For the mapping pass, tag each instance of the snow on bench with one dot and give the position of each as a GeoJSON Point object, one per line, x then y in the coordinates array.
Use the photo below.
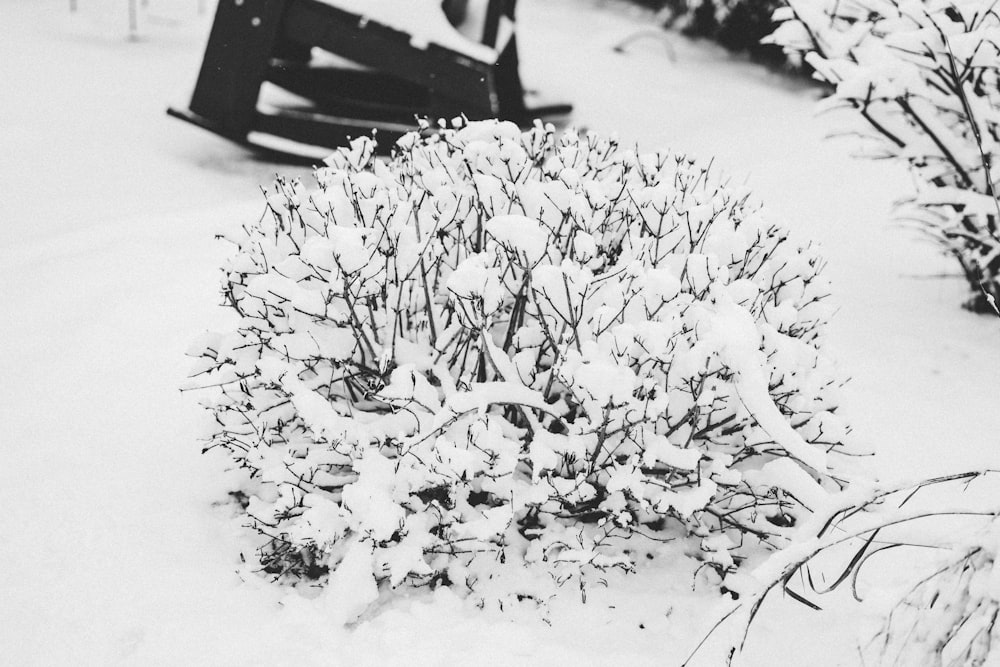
{"type": "Point", "coordinates": [426, 23]}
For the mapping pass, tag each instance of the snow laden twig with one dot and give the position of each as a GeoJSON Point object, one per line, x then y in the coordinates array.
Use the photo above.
{"type": "Point", "coordinates": [858, 515]}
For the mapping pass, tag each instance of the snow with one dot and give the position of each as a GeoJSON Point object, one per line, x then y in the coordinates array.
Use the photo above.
{"type": "Point", "coordinates": [736, 334]}
{"type": "Point", "coordinates": [351, 587]}
{"type": "Point", "coordinates": [112, 549]}
{"type": "Point", "coordinates": [519, 235]}
{"type": "Point", "coordinates": [424, 21]}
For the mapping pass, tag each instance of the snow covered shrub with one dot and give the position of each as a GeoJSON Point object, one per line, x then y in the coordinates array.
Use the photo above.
{"type": "Point", "coordinates": [924, 81]}
{"type": "Point", "coordinates": [522, 348]}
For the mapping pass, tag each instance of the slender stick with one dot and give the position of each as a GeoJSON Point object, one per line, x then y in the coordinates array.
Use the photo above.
{"type": "Point", "coordinates": [133, 20]}
{"type": "Point", "coordinates": [960, 89]}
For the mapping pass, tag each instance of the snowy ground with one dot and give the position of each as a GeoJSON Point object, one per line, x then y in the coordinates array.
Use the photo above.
{"type": "Point", "coordinates": [111, 548]}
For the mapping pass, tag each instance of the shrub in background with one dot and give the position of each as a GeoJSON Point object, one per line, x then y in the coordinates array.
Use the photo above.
{"type": "Point", "coordinates": [923, 80]}
{"type": "Point", "coordinates": [519, 347]}
{"type": "Point", "coordinates": [949, 617]}
{"type": "Point", "coordinates": [738, 25]}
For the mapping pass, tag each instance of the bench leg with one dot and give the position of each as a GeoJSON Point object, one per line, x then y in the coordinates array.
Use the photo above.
{"type": "Point", "coordinates": [240, 45]}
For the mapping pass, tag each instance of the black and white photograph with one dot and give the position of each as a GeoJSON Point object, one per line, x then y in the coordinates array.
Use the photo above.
{"type": "Point", "coordinates": [611, 333]}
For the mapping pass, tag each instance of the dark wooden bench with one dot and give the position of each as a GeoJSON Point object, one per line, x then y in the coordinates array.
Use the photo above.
{"type": "Point", "coordinates": [391, 82]}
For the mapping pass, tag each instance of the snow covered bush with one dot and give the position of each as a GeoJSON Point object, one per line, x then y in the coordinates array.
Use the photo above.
{"type": "Point", "coordinates": [507, 347]}
{"type": "Point", "coordinates": [923, 79]}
